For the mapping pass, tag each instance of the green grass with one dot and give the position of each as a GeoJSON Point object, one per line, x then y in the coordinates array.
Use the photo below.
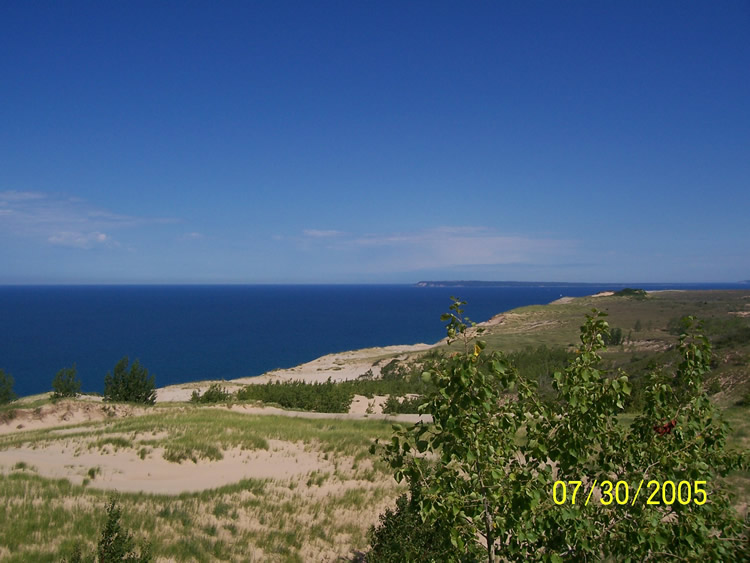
{"type": "Point", "coordinates": [195, 433]}
{"type": "Point", "coordinates": [260, 519]}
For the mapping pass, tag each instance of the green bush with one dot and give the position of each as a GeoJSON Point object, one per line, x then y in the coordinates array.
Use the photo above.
{"type": "Point", "coordinates": [65, 383]}
{"type": "Point", "coordinates": [214, 394]}
{"type": "Point", "coordinates": [403, 405]}
{"type": "Point", "coordinates": [299, 395]}
{"type": "Point", "coordinates": [134, 385]}
{"type": "Point", "coordinates": [614, 338]}
{"type": "Point", "coordinates": [539, 364]}
{"type": "Point", "coordinates": [630, 292]}
{"type": "Point", "coordinates": [403, 536]}
{"type": "Point", "coordinates": [116, 544]}
{"type": "Point", "coordinates": [6, 388]}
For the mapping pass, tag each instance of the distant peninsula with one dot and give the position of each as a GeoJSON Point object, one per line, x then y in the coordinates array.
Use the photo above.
{"type": "Point", "coordinates": [478, 283]}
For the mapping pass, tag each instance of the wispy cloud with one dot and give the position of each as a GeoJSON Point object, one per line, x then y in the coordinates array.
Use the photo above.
{"type": "Point", "coordinates": [192, 236]}
{"type": "Point", "coordinates": [13, 195]}
{"type": "Point", "coordinates": [446, 247]}
{"type": "Point", "coordinates": [63, 221]}
{"type": "Point", "coordinates": [317, 233]}
{"type": "Point", "coordinates": [82, 240]}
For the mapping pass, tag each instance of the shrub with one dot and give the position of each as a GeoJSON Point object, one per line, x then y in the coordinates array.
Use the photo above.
{"type": "Point", "coordinates": [116, 544]}
{"type": "Point", "coordinates": [403, 405]}
{"type": "Point", "coordinates": [214, 394]}
{"type": "Point", "coordinates": [6, 388]}
{"type": "Point", "coordinates": [65, 383]}
{"type": "Point", "coordinates": [320, 397]}
{"type": "Point", "coordinates": [613, 338]}
{"type": "Point", "coordinates": [402, 536]}
{"type": "Point", "coordinates": [630, 292]}
{"type": "Point", "coordinates": [133, 386]}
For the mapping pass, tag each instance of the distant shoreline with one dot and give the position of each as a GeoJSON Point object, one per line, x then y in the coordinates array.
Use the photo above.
{"type": "Point", "coordinates": [482, 283]}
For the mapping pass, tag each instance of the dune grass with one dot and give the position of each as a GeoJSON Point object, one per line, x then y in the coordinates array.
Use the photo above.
{"type": "Point", "coordinates": [297, 519]}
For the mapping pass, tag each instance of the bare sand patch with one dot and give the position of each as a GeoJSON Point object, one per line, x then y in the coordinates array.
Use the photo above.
{"type": "Point", "coordinates": [253, 409]}
{"type": "Point", "coordinates": [362, 405]}
{"type": "Point", "coordinates": [123, 470]}
{"type": "Point", "coordinates": [647, 345]}
{"type": "Point", "coordinates": [65, 413]}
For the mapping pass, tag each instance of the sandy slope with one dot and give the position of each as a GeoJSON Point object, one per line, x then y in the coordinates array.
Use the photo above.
{"type": "Point", "coordinates": [338, 367]}
{"type": "Point", "coordinates": [124, 470]}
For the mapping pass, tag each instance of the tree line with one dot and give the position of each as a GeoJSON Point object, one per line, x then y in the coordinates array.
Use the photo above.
{"type": "Point", "coordinates": [126, 383]}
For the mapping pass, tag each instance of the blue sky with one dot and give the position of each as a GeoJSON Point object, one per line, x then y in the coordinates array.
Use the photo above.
{"type": "Point", "coordinates": [374, 142]}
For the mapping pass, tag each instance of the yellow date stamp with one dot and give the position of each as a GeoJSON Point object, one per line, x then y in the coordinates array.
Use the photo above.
{"type": "Point", "coordinates": [659, 493]}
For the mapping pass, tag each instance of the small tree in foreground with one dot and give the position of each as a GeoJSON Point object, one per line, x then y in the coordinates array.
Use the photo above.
{"type": "Point", "coordinates": [488, 465]}
{"type": "Point", "coordinates": [66, 383]}
{"type": "Point", "coordinates": [6, 388]}
{"type": "Point", "coordinates": [116, 544]}
{"type": "Point", "coordinates": [134, 385]}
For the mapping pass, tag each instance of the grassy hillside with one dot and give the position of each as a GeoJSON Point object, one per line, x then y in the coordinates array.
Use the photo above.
{"type": "Point", "coordinates": [649, 327]}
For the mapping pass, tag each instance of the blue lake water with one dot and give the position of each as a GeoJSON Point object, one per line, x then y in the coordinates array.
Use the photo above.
{"type": "Point", "coordinates": [188, 333]}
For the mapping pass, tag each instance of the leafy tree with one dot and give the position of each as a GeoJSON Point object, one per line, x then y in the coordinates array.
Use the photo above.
{"type": "Point", "coordinates": [493, 487]}
{"type": "Point", "coordinates": [132, 385]}
{"type": "Point", "coordinates": [6, 388]}
{"type": "Point", "coordinates": [66, 383]}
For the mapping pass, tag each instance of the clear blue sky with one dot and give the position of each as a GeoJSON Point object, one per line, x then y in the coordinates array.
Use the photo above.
{"type": "Point", "coordinates": [354, 141]}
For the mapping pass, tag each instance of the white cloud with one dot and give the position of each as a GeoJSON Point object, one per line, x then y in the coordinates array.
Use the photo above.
{"type": "Point", "coordinates": [446, 247]}
{"type": "Point", "coordinates": [192, 236]}
{"type": "Point", "coordinates": [81, 240]}
{"type": "Point", "coordinates": [63, 221]}
{"type": "Point", "coordinates": [14, 195]}
{"type": "Point", "coordinates": [317, 233]}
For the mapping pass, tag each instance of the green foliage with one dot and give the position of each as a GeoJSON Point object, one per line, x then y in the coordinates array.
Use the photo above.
{"type": "Point", "coordinates": [132, 385]}
{"type": "Point", "coordinates": [613, 337]}
{"type": "Point", "coordinates": [630, 292]}
{"type": "Point", "coordinates": [6, 388]}
{"type": "Point", "coordinates": [299, 395]}
{"type": "Point", "coordinates": [403, 405]}
{"type": "Point", "coordinates": [66, 383]}
{"type": "Point", "coordinates": [393, 371]}
{"type": "Point", "coordinates": [728, 333]}
{"type": "Point", "coordinates": [398, 379]}
{"type": "Point", "coordinates": [116, 544]}
{"type": "Point", "coordinates": [402, 536]}
{"type": "Point", "coordinates": [214, 394]}
{"type": "Point", "coordinates": [487, 465]}
{"type": "Point", "coordinates": [539, 364]}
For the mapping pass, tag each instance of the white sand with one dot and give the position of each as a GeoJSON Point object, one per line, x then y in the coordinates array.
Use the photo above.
{"type": "Point", "coordinates": [342, 366]}
{"type": "Point", "coordinates": [123, 470]}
